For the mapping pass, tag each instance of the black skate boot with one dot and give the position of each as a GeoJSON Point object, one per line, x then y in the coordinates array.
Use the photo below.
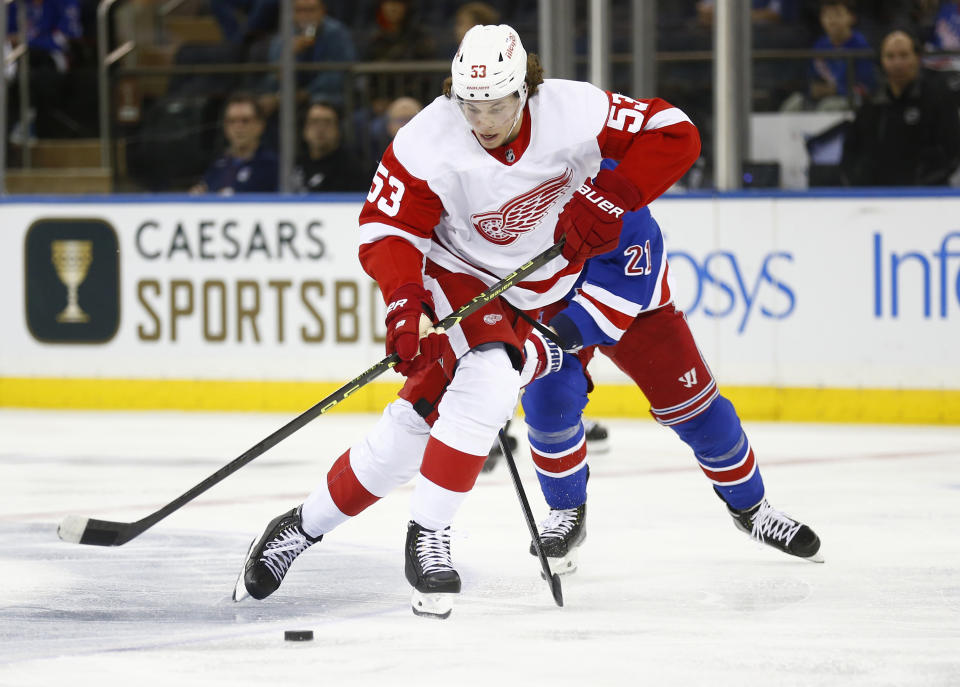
{"type": "Point", "coordinates": [430, 570]}
{"type": "Point", "coordinates": [766, 524]}
{"type": "Point", "coordinates": [561, 534]}
{"type": "Point", "coordinates": [270, 556]}
{"type": "Point", "coordinates": [597, 437]}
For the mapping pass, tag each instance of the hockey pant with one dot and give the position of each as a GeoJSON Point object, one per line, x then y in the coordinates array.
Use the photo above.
{"type": "Point", "coordinates": [441, 428]}
{"type": "Point", "coordinates": [659, 354]}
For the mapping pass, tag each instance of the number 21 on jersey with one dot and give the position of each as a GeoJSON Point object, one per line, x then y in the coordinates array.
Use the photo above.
{"type": "Point", "coordinates": [638, 253]}
{"type": "Point", "coordinates": [390, 205]}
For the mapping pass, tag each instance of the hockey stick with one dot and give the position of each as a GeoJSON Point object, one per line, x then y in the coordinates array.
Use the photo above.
{"type": "Point", "coordinates": [553, 579]}
{"type": "Point", "coordinates": [80, 530]}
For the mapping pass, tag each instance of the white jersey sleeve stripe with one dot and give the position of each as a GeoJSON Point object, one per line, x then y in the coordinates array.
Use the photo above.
{"type": "Point", "coordinates": [611, 299]}
{"type": "Point", "coordinates": [606, 326]}
{"type": "Point", "coordinates": [672, 115]}
{"type": "Point", "coordinates": [374, 231]}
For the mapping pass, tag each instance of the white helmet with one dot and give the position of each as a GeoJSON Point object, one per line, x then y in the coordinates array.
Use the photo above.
{"type": "Point", "coordinates": [490, 64]}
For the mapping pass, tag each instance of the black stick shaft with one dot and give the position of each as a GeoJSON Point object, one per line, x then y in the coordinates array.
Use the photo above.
{"type": "Point", "coordinates": [552, 578]}
{"type": "Point", "coordinates": [107, 533]}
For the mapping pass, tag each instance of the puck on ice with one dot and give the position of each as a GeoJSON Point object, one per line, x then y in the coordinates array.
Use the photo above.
{"type": "Point", "coordinates": [298, 635]}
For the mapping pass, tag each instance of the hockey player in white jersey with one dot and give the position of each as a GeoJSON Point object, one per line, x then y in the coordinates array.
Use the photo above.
{"type": "Point", "coordinates": [623, 307]}
{"type": "Point", "coordinates": [489, 175]}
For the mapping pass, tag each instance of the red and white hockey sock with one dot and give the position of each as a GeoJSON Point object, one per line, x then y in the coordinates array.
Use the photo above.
{"type": "Point", "coordinates": [387, 457]}
{"type": "Point", "coordinates": [446, 477]}
{"type": "Point", "coordinates": [337, 500]}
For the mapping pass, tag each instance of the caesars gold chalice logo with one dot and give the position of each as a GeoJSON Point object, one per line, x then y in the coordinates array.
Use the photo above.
{"type": "Point", "coordinates": [72, 260]}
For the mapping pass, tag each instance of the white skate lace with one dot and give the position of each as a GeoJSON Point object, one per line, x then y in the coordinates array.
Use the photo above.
{"type": "Point", "coordinates": [433, 551]}
{"type": "Point", "coordinates": [771, 523]}
{"type": "Point", "coordinates": [558, 523]}
{"type": "Point", "coordinates": [281, 551]}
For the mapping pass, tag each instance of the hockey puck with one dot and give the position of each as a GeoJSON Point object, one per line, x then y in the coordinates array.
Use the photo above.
{"type": "Point", "coordinates": [298, 635]}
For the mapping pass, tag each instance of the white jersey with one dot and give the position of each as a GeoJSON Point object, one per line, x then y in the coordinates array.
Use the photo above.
{"type": "Point", "coordinates": [484, 213]}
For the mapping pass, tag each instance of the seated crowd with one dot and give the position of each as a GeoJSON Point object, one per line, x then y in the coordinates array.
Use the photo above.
{"type": "Point", "coordinates": [353, 115]}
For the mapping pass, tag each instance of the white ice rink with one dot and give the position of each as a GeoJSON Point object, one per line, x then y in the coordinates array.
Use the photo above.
{"type": "Point", "coordinates": [668, 592]}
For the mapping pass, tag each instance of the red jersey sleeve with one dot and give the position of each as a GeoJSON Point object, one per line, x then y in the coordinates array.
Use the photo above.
{"type": "Point", "coordinates": [396, 225]}
{"type": "Point", "coordinates": [655, 143]}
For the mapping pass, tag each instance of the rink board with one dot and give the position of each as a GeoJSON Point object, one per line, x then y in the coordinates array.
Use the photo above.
{"type": "Point", "coordinates": [835, 307]}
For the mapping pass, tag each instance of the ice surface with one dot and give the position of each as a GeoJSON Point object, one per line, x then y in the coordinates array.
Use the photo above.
{"type": "Point", "coordinates": [668, 592]}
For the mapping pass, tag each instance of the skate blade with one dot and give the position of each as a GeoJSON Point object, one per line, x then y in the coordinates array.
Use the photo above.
{"type": "Point", "coordinates": [815, 558]}
{"type": "Point", "coordinates": [564, 565]}
{"type": "Point", "coordinates": [431, 605]}
{"type": "Point", "coordinates": [240, 588]}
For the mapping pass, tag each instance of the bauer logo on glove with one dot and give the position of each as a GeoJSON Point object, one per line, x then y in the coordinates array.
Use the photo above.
{"type": "Point", "coordinates": [396, 304]}
{"type": "Point", "coordinates": [410, 331]}
{"type": "Point", "coordinates": [600, 201]}
{"type": "Point", "coordinates": [591, 220]}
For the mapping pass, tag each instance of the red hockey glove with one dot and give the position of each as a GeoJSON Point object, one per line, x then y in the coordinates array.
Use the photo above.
{"type": "Point", "coordinates": [592, 219]}
{"type": "Point", "coordinates": [541, 357]}
{"type": "Point", "coordinates": [407, 322]}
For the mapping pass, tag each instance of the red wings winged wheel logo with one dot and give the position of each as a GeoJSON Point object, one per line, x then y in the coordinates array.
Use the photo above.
{"type": "Point", "coordinates": [521, 214]}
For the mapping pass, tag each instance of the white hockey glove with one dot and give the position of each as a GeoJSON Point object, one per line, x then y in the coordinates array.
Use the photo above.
{"type": "Point", "coordinates": [541, 357]}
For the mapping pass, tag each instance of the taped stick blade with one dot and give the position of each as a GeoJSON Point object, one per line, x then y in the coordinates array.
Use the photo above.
{"type": "Point", "coordinates": [80, 530]}
{"type": "Point", "coordinates": [71, 528]}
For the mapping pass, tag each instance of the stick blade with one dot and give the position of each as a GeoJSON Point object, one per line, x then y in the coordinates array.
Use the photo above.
{"type": "Point", "coordinates": [556, 589]}
{"type": "Point", "coordinates": [76, 529]}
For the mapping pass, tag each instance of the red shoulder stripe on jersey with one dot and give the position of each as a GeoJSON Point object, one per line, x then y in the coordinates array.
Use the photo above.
{"type": "Point", "coordinates": [400, 199]}
{"type": "Point", "coordinates": [392, 262]}
{"type": "Point", "coordinates": [655, 154]}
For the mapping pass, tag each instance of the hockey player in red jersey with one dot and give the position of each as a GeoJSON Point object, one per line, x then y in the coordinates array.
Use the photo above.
{"type": "Point", "coordinates": [489, 175]}
{"type": "Point", "coordinates": [622, 306]}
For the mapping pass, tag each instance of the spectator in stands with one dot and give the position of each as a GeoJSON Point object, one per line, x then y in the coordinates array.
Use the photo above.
{"type": "Point", "coordinates": [946, 36]}
{"type": "Point", "coordinates": [318, 38]}
{"type": "Point", "coordinates": [397, 36]}
{"type": "Point", "coordinates": [52, 25]}
{"type": "Point", "coordinates": [384, 128]}
{"type": "Point", "coordinates": [775, 25]}
{"type": "Point", "coordinates": [399, 112]}
{"type": "Point", "coordinates": [761, 11]}
{"type": "Point", "coordinates": [260, 18]}
{"type": "Point", "coordinates": [829, 77]}
{"type": "Point", "coordinates": [909, 133]}
{"type": "Point", "coordinates": [324, 164]}
{"type": "Point", "coordinates": [469, 15]}
{"type": "Point", "coordinates": [246, 166]}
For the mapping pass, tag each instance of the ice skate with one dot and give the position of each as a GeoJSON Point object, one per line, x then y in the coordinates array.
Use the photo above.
{"type": "Point", "coordinates": [430, 570]}
{"type": "Point", "coordinates": [561, 534]}
{"type": "Point", "coordinates": [766, 524]}
{"type": "Point", "coordinates": [597, 436]}
{"type": "Point", "coordinates": [270, 556]}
